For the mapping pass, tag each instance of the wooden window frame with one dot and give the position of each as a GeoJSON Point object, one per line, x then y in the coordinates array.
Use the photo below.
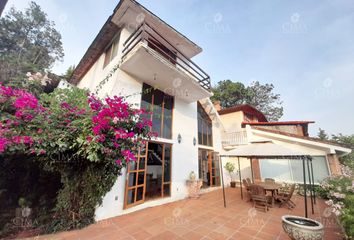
{"type": "Point", "coordinates": [152, 105]}
{"type": "Point", "coordinates": [114, 43]}
{"type": "Point", "coordinates": [206, 124]}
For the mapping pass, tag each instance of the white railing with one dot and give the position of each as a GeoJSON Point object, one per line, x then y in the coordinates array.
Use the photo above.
{"type": "Point", "coordinates": [234, 138]}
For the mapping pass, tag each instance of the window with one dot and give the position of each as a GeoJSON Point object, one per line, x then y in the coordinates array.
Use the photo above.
{"type": "Point", "coordinates": [111, 51]}
{"type": "Point", "coordinates": [205, 129]}
{"type": "Point", "coordinates": [160, 106]}
{"type": "Point", "coordinates": [291, 170]}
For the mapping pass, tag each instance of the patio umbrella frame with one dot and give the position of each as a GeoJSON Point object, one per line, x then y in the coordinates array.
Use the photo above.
{"type": "Point", "coordinates": [305, 159]}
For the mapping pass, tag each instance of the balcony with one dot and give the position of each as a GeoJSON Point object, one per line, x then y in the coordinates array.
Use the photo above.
{"type": "Point", "coordinates": [149, 57]}
{"type": "Point", "coordinates": [234, 139]}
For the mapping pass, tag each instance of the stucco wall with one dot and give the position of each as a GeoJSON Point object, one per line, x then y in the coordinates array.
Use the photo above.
{"type": "Point", "coordinates": [232, 121]}
{"type": "Point", "coordinates": [184, 154]}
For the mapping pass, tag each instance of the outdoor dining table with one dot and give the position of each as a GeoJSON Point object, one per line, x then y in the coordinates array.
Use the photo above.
{"type": "Point", "coordinates": [270, 186]}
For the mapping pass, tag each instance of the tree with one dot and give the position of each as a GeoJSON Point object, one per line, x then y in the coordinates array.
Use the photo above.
{"type": "Point", "coordinates": [260, 96]}
{"type": "Point", "coordinates": [322, 134]}
{"type": "Point", "coordinates": [69, 72]}
{"type": "Point", "coordinates": [28, 43]}
{"type": "Point", "coordinates": [229, 93]}
{"type": "Point", "coordinates": [347, 140]}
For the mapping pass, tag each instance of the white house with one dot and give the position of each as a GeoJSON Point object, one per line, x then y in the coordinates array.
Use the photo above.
{"type": "Point", "coordinates": [155, 71]}
{"type": "Point", "coordinates": [246, 125]}
{"type": "Point", "coordinates": [139, 56]}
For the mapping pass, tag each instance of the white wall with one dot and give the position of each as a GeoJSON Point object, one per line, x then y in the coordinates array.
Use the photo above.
{"type": "Point", "coordinates": [184, 154]}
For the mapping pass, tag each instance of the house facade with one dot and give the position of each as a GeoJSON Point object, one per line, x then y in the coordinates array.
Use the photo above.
{"type": "Point", "coordinates": [140, 57]}
{"type": "Point", "coordinates": [150, 65]}
{"type": "Point", "coordinates": [246, 125]}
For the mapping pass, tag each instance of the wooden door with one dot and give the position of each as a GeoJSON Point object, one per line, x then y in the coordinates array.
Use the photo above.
{"type": "Point", "coordinates": [214, 169]}
{"type": "Point", "coordinates": [135, 179]}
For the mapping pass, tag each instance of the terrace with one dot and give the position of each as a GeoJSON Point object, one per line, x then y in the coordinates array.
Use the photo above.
{"type": "Point", "coordinates": [150, 57]}
{"type": "Point", "coordinates": [203, 218]}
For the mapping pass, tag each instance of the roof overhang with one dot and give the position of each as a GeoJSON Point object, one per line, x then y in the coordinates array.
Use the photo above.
{"type": "Point", "coordinates": [131, 14]}
{"type": "Point", "coordinates": [331, 148]}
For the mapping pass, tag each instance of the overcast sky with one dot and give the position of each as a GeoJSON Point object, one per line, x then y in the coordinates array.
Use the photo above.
{"type": "Point", "coordinates": [305, 47]}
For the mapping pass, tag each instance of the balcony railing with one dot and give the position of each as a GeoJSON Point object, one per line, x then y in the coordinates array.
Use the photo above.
{"type": "Point", "coordinates": [234, 138]}
{"type": "Point", "coordinates": [155, 41]}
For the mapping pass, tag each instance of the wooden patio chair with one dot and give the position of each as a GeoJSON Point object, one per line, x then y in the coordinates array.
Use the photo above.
{"type": "Point", "coordinates": [285, 198]}
{"type": "Point", "coordinates": [249, 181]}
{"type": "Point", "coordinates": [247, 187]}
{"type": "Point", "coordinates": [260, 199]}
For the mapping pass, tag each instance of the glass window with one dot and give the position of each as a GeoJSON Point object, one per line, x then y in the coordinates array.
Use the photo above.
{"type": "Point", "coordinates": [205, 134]}
{"type": "Point", "coordinates": [291, 170]}
{"type": "Point", "coordinates": [111, 51]}
{"type": "Point", "coordinates": [160, 106]}
{"type": "Point", "coordinates": [167, 164]}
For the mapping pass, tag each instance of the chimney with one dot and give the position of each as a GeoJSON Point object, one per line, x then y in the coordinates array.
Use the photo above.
{"type": "Point", "coordinates": [217, 105]}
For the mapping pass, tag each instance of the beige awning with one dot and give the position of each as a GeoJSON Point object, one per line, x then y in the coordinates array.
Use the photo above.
{"type": "Point", "coordinates": [262, 150]}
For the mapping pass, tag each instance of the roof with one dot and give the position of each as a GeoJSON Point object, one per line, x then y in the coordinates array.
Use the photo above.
{"type": "Point", "coordinates": [301, 137]}
{"type": "Point", "coordinates": [262, 150]}
{"type": "Point", "coordinates": [108, 31]}
{"type": "Point", "coordinates": [278, 123]}
{"type": "Point", "coordinates": [247, 108]}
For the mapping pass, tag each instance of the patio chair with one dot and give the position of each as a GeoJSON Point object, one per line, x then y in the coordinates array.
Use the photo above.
{"type": "Point", "coordinates": [249, 181]}
{"type": "Point", "coordinates": [285, 198]}
{"type": "Point", "coordinates": [247, 186]}
{"type": "Point", "coordinates": [260, 199]}
{"type": "Point", "coordinates": [269, 180]}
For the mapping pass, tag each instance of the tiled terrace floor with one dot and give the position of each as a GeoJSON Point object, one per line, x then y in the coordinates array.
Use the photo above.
{"type": "Point", "coordinates": [204, 218]}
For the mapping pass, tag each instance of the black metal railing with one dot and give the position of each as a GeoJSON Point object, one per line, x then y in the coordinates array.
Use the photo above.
{"type": "Point", "coordinates": [145, 33]}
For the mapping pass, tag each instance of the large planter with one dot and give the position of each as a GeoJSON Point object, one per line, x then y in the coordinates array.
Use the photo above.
{"type": "Point", "coordinates": [300, 228]}
{"type": "Point", "coordinates": [233, 184]}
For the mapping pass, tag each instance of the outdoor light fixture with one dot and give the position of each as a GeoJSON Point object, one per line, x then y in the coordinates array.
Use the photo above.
{"type": "Point", "coordinates": [194, 141]}
{"type": "Point", "coordinates": [179, 138]}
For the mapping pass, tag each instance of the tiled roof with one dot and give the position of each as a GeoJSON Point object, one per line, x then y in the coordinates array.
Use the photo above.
{"type": "Point", "coordinates": [245, 108]}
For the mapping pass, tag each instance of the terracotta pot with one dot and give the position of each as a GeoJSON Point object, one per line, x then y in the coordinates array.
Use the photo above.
{"type": "Point", "coordinates": [300, 228]}
{"type": "Point", "coordinates": [233, 184]}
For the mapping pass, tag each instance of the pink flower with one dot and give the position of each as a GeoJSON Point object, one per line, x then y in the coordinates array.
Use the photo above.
{"type": "Point", "coordinates": [42, 151]}
{"type": "Point", "coordinates": [17, 139]}
{"type": "Point", "coordinates": [65, 105]}
{"type": "Point", "coordinates": [129, 156]}
{"type": "Point", "coordinates": [118, 162]}
{"type": "Point", "coordinates": [27, 140]}
{"type": "Point", "coordinates": [3, 143]}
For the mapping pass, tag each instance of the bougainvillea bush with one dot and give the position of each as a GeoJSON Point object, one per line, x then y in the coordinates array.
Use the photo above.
{"type": "Point", "coordinates": [84, 139]}
{"type": "Point", "coordinates": [339, 192]}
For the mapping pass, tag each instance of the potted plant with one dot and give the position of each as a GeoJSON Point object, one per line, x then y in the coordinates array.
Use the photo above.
{"type": "Point", "coordinates": [230, 168]}
{"type": "Point", "coordinates": [192, 176]}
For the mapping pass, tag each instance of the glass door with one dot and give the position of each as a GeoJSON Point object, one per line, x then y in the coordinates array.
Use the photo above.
{"type": "Point", "coordinates": [135, 179]}
{"type": "Point", "coordinates": [214, 169]}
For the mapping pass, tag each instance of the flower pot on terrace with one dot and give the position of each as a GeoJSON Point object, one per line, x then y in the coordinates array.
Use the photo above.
{"type": "Point", "coordinates": [233, 184]}
{"type": "Point", "coordinates": [300, 228]}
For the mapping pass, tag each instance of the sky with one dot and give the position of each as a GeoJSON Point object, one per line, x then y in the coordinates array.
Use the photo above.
{"type": "Point", "coordinates": [305, 48]}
